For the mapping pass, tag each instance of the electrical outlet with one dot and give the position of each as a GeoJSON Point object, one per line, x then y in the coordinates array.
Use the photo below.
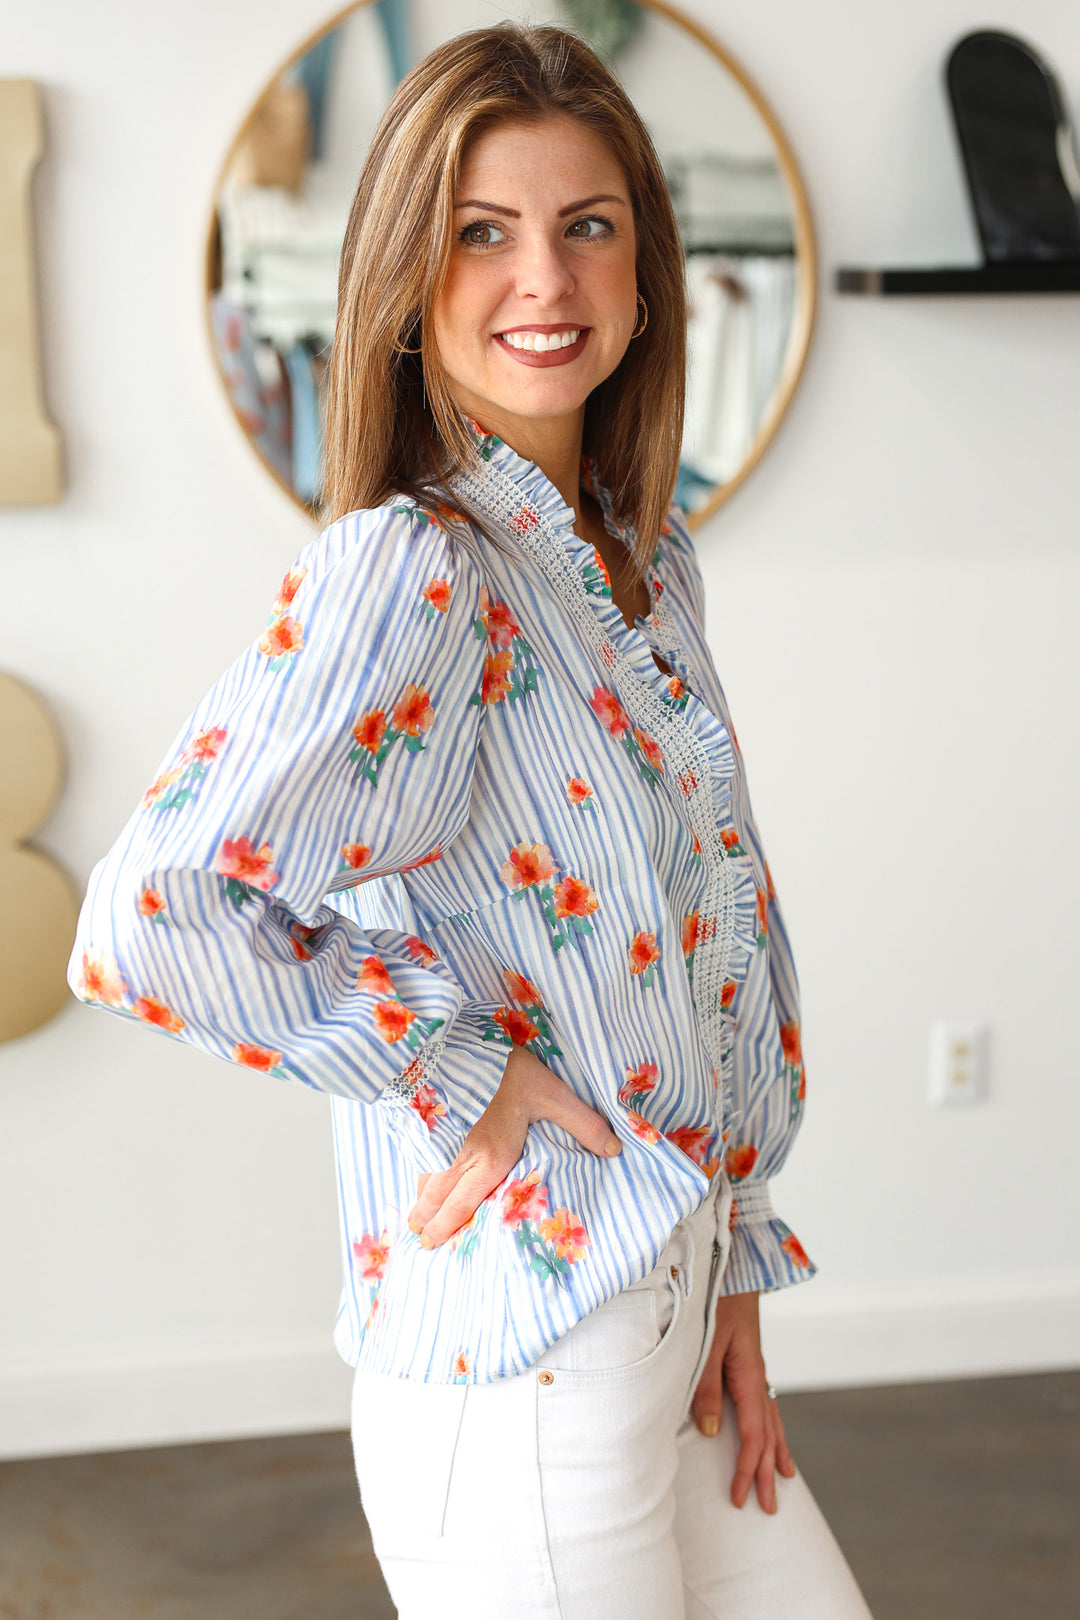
{"type": "Point", "coordinates": [957, 1062]}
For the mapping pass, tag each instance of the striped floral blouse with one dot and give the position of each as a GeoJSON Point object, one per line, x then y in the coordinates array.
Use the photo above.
{"type": "Point", "coordinates": [448, 803]}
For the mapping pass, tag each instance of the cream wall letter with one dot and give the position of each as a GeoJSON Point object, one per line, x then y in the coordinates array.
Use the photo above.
{"type": "Point", "coordinates": [30, 468]}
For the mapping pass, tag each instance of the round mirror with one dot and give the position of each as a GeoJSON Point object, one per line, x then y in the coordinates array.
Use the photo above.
{"type": "Point", "coordinates": [287, 183]}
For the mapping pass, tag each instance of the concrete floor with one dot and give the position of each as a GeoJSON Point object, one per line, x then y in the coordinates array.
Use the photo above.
{"type": "Point", "coordinates": [957, 1501]}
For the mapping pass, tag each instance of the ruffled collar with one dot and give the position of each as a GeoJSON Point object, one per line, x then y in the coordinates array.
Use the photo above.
{"type": "Point", "coordinates": [542, 507]}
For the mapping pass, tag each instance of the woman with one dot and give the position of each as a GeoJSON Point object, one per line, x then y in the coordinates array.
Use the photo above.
{"type": "Point", "coordinates": [551, 994]}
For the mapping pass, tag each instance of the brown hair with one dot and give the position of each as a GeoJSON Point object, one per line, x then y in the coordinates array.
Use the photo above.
{"type": "Point", "coordinates": [392, 424]}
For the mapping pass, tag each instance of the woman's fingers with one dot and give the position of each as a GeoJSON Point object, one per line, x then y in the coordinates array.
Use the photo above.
{"type": "Point", "coordinates": [527, 1092]}
{"type": "Point", "coordinates": [784, 1459]}
{"type": "Point", "coordinates": [460, 1203]}
{"type": "Point", "coordinates": [750, 1417]}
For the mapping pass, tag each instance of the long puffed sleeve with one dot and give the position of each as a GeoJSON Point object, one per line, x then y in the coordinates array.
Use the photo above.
{"type": "Point", "coordinates": [340, 746]}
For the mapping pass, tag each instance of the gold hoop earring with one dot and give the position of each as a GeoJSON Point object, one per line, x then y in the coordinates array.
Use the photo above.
{"type": "Point", "coordinates": [644, 318]}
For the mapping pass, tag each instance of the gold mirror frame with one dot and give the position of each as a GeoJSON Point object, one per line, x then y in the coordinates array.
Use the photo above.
{"type": "Point", "coordinates": [805, 251]}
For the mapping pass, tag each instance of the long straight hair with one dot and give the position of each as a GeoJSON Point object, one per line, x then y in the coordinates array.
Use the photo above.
{"type": "Point", "coordinates": [391, 423]}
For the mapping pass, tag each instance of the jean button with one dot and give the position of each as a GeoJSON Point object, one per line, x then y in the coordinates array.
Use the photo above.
{"type": "Point", "coordinates": [546, 1377]}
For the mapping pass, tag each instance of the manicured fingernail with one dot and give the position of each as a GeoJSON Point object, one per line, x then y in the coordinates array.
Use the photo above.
{"type": "Point", "coordinates": [426, 1242]}
{"type": "Point", "coordinates": [614, 1146]}
{"type": "Point", "coordinates": [414, 1224]}
{"type": "Point", "coordinates": [710, 1425]}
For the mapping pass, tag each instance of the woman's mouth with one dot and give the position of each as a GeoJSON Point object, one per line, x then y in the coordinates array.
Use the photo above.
{"type": "Point", "coordinates": [544, 345]}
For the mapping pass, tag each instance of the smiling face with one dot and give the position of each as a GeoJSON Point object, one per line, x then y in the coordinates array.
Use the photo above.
{"type": "Point", "coordinates": [540, 296]}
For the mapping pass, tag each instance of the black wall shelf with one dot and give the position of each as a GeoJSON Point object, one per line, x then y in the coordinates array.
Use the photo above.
{"type": "Point", "coordinates": [1049, 277]}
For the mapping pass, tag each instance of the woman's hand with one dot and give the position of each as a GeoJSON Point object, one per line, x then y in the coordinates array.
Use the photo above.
{"type": "Point", "coordinates": [735, 1361]}
{"type": "Point", "coordinates": [528, 1091]}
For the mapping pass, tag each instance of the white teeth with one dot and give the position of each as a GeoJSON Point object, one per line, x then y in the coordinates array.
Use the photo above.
{"type": "Point", "coordinates": [541, 342]}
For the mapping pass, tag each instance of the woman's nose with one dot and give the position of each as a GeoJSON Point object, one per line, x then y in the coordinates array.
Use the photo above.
{"type": "Point", "coordinates": [543, 270]}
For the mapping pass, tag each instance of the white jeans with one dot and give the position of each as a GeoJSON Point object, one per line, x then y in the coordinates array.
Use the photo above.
{"type": "Point", "coordinates": [582, 1490]}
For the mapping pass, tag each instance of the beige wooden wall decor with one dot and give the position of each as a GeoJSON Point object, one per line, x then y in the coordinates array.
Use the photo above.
{"type": "Point", "coordinates": [38, 905]}
{"type": "Point", "coordinates": [30, 465]}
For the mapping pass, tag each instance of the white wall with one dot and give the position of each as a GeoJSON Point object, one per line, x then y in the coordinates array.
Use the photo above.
{"type": "Point", "coordinates": [892, 609]}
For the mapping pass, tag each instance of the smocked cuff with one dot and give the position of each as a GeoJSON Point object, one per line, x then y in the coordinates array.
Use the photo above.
{"type": "Point", "coordinates": [765, 1254]}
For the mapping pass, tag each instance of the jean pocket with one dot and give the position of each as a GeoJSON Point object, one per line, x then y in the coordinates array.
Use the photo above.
{"type": "Point", "coordinates": [404, 1437]}
{"type": "Point", "coordinates": [624, 1336]}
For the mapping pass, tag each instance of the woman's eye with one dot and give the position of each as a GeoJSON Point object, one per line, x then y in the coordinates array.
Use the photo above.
{"type": "Point", "coordinates": [481, 233]}
{"type": "Point", "coordinates": [594, 225]}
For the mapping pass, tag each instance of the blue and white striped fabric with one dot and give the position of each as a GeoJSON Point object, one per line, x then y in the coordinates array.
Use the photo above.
{"type": "Point", "coordinates": [449, 801]}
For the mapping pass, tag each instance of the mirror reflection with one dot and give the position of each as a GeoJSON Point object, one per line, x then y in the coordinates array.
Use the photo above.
{"type": "Point", "coordinates": [285, 191]}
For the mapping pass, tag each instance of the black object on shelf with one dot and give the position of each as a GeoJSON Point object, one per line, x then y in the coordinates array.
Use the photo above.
{"type": "Point", "coordinates": [1021, 165]}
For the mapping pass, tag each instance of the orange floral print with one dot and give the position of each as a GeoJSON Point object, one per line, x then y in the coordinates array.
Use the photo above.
{"type": "Point", "coordinates": [795, 1251]}
{"type": "Point", "coordinates": [791, 1041]}
{"type": "Point", "coordinates": [437, 592]}
{"type": "Point", "coordinates": [762, 918]}
{"type": "Point", "coordinates": [524, 1200]}
{"type": "Point", "coordinates": [641, 1127]}
{"type": "Point", "coordinates": [99, 979]}
{"type": "Point", "coordinates": [644, 953]}
{"type": "Point", "coordinates": [567, 904]}
{"type": "Point", "coordinates": [639, 1082]}
{"type": "Point", "coordinates": [733, 1215]}
{"type": "Point", "coordinates": [160, 786]}
{"type": "Point", "coordinates": [495, 685]}
{"type": "Point", "coordinates": [769, 889]}
{"type": "Point", "coordinates": [567, 1233]}
{"type": "Point", "coordinates": [578, 790]}
{"type": "Point", "coordinates": [239, 860]}
{"type": "Point", "coordinates": [413, 712]}
{"type": "Point", "coordinates": [689, 933]}
{"type": "Point", "coordinates": [262, 1058]}
{"type": "Point", "coordinates": [501, 625]}
{"type": "Point", "coordinates": [374, 978]}
{"type": "Point", "coordinates": [286, 591]}
{"type": "Point", "coordinates": [355, 855]}
{"type": "Point", "coordinates": [676, 688]}
{"type": "Point", "coordinates": [420, 951]}
{"type": "Point", "coordinates": [610, 712]}
{"type": "Point", "coordinates": [370, 730]}
{"type": "Point", "coordinates": [688, 782]}
{"type": "Point", "coordinates": [693, 1140]}
{"type": "Point", "coordinates": [650, 748]}
{"type": "Point", "coordinates": [740, 1160]}
{"type": "Point", "coordinates": [392, 1019]}
{"type": "Point", "coordinates": [462, 1368]}
{"type": "Point", "coordinates": [371, 1254]}
{"type": "Point", "coordinates": [727, 994]}
{"type": "Point", "coordinates": [425, 1099]}
{"type": "Point", "coordinates": [205, 747]}
{"type": "Point", "coordinates": [510, 670]}
{"type": "Point", "coordinates": [281, 637]}
{"type": "Point", "coordinates": [151, 903]}
{"type": "Point", "coordinates": [524, 519]}
{"type": "Point", "coordinates": [153, 1011]}
{"type": "Point", "coordinates": [729, 837]}
{"type": "Point", "coordinates": [528, 864]}
{"type": "Point", "coordinates": [425, 860]}
{"type": "Point", "coordinates": [518, 988]}
{"type": "Point", "coordinates": [574, 898]}
{"type": "Point", "coordinates": [517, 1025]}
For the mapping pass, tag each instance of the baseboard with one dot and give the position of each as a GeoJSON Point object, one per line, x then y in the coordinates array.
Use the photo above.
{"type": "Point", "coordinates": [816, 1337]}
{"type": "Point", "coordinates": [165, 1395]}
{"type": "Point", "coordinates": [821, 1337]}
